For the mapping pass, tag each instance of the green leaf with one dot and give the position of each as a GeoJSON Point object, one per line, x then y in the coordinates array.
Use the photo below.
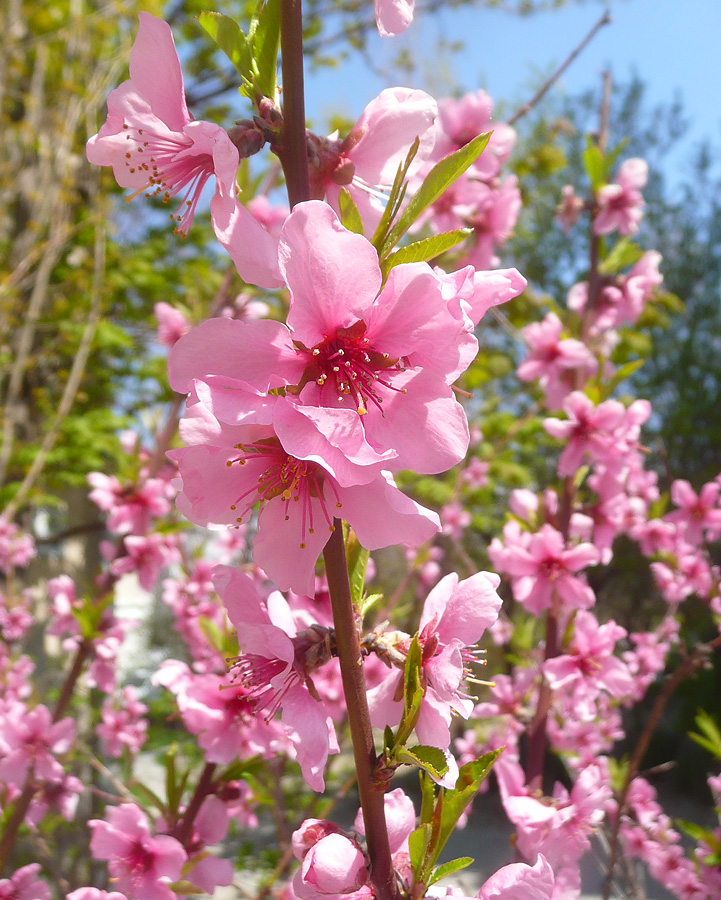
{"type": "Point", "coordinates": [428, 792]}
{"type": "Point", "coordinates": [227, 35]}
{"type": "Point", "coordinates": [623, 253]}
{"type": "Point", "coordinates": [412, 688]}
{"type": "Point", "coordinates": [395, 198]}
{"type": "Point", "coordinates": [595, 165]}
{"type": "Point", "coordinates": [418, 845]}
{"type": "Point", "coordinates": [357, 558]}
{"type": "Point", "coordinates": [470, 779]}
{"type": "Point", "coordinates": [623, 372]}
{"type": "Point", "coordinates": [710, 739]}
{"type": "Point", "coordinates": [368, 602]}
{"type": "Point", "coordinates": [441, 177]}
{"type": "Point", "coordinates": [420, 251]}
{"type": "Point", "coordinates": [349, 216]}
{"type": "Point", "coordinates": [430, 759]}
{"type": "Point", "coordinates": [454, 865]}
{"type": "Point", "coordinates": [265, 40]}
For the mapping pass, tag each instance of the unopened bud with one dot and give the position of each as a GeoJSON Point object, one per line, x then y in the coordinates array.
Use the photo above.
{"type": "Point", "coordinates": [247, 138]}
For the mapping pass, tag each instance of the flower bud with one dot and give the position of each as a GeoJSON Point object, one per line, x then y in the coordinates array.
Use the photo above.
{"type": "Point", "coordinates": [334, 865]}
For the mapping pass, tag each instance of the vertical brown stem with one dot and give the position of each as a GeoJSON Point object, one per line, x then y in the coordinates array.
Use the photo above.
{"type": "Point", "coordinates": [292, 152]}
{"type": "Point", "coordinates": [354, 687]}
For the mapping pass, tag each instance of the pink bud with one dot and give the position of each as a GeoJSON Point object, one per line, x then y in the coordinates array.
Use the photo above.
{"type": "Point", "coordinates": [335, 865]}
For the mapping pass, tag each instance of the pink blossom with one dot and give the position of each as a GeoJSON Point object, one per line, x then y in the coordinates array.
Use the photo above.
{"type": "Point", "coordinates": [149, 137]}
{"type": "Point", "coordinates": [141, 864]}
{"type": "Point", "coordinates": [454, 518]}
{"type": "Point", "coordinates": [277, 665]}
{"type": "Point", "coordinates": [122, 724]}
{"type": "Point", "coordinates": [152, 143]}
{"type": "Point", "coordinates": [230, 469]}
{"type": "Point", "coordinates": [620, 205]}
{"type": "Point", "coordinates": [556, 362]}
{"type": "Point", "coordinates": [393, 16]}
{"type": "Point", "coordinates": [16, 548]}
{"type": "Point", "coordinates": [366, 161]}
{"type": "Point", "coordinates": [475, 473]}
{"type": "Point", "coordinates": [357, 371]}
{"type": "Point", "coordinates": [131, 507]}
{"type": "Point", "coordinates": [454, 617]}
{"type": "Point", "coordinates": [698, 513]}
{"type": "Point", "coordinates": [147, 555]}
{"type": "Point", "coordinates": [546, 566]}
{"type": "Point", "coordinates": [569, 209]}
{"type": "Point", "coordinates": [221, 714]}
{"type": "Point", "coordinates": [589, 429]}
{"type": "Point", "coordinates": [172, 324]}
{"type": "Point", "coordinates": [591, 657]}
{"type": "Point", "coordinates": [60, 796]}
{"type": "Point", "coordinates": [30, 741]}
{"type": "Point", "coordinates": [24, 885]}
{"type": "Point", "coordinates": [520, 882]}
{"type": "Point", "coordinates": [460, 121]}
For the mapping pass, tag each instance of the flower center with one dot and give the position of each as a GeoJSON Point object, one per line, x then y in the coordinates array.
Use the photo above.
{"type": "Point", "coordinates": [285, 477]}
{"type": "Point", "coordinates": [170, 170]}
{"type": "Point", "coordinates": [349, 367]}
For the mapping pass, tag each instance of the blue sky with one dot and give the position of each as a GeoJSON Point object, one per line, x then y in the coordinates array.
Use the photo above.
{"type": "Point", "coordinates": [673, 45]}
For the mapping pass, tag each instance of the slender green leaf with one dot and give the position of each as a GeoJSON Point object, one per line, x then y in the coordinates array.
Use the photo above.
{"type": "Point", "coordinates": [417, 847]}
{"type": "Point", "coordinates": [265, 39]}
{"type": "Point", "coordinates": [595, 165]}
{"type": "Point", "coordinates": [349, 216]}
{"type": "Point", "coordinates": [470, 779]}
{"type": "Point", "coordinates": [368, 602]}
{"type": "Point", "coordinates": [227, 35]}
{"type": "Point", "coordinates": [441, 177]}
{"type": "Point", "coordinates": [357, 559]}
{"type": "Point", "coordinates": [448, 868]}
{"type": "Point", "coordinates": [395, 198]}
{"type": "Point", "coordinates": [428, 792]}
{"type": "Point", "coordinates": [429, 248]}
{"type": "Point", "coordinates": [710, 737]}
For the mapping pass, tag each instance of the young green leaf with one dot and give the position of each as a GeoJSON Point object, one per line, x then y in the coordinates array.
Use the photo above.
{"type": "Point", "coordinates": [417, 846]}
{"type": "Point", "coordinates": [595, 165]}
{"type": "Point", "coordinates": [429, 248]}
{"type": "Point", "coordinates": [349, 216]}
{"type": "Point", "coordinates": [265, 40]}
{"type": "Point", "coordinates": [430, 759]}
{"type": "Point", "coordinates": [448, 868]}
{"type": "Point", "coordinates": [470, 777]}
{"type": "Point", "coordinates": [441, 177]}
{"type": "Point", "coordinates": [710, 737]}
{"type": "Point", "coordinates": [227, 35]}
{"type": "Point", "coordinates": [623, 253]}
{"type": "Point", "coordinates": [357, 559]}
{"type": "Point", "coordinates": [395, 198]}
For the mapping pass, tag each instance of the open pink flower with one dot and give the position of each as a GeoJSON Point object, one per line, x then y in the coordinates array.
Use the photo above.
{"type": "Point", "coordinates": [275, 667]}
{"type": "Point", "coordinates": [364, 369]}
{"type": "Point", "coordinates": [542, 565]}
{"type": "Point", "coordinates": [141, 863]}
{"type": "Point", "coordinates": [24, 885]}
{"type": "Point", "coordinates": [29, 739]}
{"type": "Point", "coordinates": [153, 144]}
{"type": "Point", "coordinates": [620, 205]}
{"type": "Point", "coordinates": [454, 617]}
{"type": "Point", "coordinates": [227, 470]}
{"type": "Point", "coordinates": [588, 429]}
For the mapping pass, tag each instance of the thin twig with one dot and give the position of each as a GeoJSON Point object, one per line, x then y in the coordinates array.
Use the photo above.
{"type": "Point", "coordinates": [548, 84]}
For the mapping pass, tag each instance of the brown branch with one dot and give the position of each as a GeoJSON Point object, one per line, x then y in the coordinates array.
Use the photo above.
{"type": "Point", "coordinates": [548, 84]}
